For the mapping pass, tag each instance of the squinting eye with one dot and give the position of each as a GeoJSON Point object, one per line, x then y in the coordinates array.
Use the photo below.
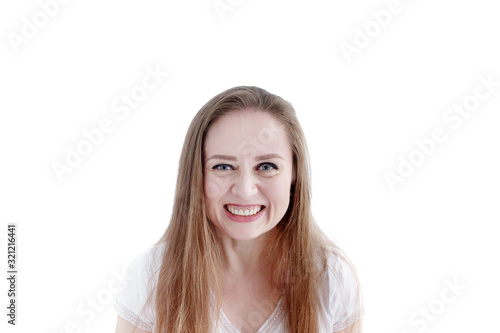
{"type": "Point", "coordinates": [268, 166]}
{"type": "Point", "coordinates": [221, 167]}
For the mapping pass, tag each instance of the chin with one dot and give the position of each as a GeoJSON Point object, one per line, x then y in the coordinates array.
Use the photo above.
{"type": "Point", "coordinates": [246, 235]}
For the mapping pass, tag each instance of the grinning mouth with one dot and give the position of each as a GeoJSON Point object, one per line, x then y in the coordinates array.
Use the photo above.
{"type": "Point", "coordinates": [244, 212]}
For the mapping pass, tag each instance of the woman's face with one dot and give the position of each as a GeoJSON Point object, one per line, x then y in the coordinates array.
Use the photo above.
{"type": "Point", "coordinates": [247, 174]}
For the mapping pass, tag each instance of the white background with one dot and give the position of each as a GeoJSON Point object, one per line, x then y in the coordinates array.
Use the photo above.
{"type": "Point", "coordinates": [74, 235]}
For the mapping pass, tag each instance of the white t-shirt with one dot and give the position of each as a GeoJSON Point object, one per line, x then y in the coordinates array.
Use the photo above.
{"type": "Point", "coordinates": [340, 302]}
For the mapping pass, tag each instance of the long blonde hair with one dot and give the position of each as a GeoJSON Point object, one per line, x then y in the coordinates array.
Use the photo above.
{"type": "Point", "coordinates": [192, 259]}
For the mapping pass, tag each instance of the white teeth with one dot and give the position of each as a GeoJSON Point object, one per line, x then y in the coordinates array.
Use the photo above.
{"type": "Point", "coordinates": [246, 212]}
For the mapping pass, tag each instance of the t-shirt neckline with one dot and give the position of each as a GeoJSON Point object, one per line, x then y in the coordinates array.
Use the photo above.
{"type": "Point", "coordinates": [268, 326]}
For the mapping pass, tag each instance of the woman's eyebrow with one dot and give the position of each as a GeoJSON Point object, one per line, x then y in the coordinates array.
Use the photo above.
{"type": "Point", "coordinates": [233, 158]}
{"type": "Point", "coordinates": [267, 156]}
{"type": "Point", "coordinates": [222, 157]}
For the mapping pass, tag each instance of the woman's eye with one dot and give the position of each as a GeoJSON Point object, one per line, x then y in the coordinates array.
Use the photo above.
{"type": "Point", "coordinates": [268, 166]}
{"type": "Point", "coordinates": [221, 167]}
{"type": "Point", "coordinates": [262, 167]}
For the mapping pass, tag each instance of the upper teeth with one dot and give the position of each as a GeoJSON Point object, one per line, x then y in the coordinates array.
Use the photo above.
{"type": "Point", "coordinates": [244, 212]}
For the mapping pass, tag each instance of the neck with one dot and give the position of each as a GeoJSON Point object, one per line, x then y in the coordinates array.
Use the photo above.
{"type": "Point", "coordinates": [243, 257]}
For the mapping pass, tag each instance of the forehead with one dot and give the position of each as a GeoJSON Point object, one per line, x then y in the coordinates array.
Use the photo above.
{"type": "Point", "coordinates": [247, 131]}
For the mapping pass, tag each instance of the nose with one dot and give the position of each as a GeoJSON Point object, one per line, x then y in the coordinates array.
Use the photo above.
{"type": "Point", "coordinates": [245, 185]}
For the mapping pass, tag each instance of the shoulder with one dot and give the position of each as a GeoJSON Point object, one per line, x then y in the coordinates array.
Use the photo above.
{"type": "Point", "coordinates": [147, 262]}
{"type": "Point", "coordinates": [340, 269]}
{"type": "Point", "coordinates": [138, 286]}
{"type": "Point", "coordinates": [342, 297]}
{"type": "Point", "coordinates": [143, 269]}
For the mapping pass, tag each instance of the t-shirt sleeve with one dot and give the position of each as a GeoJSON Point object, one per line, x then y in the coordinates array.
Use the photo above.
{"type": "Point", "coordinates": [136, 287]}
{"type": "Point", "coordinates": [345, 299]}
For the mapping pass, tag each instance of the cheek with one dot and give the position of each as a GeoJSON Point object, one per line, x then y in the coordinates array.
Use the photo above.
{"type": "Point", "coordinates": [211, 192]}
{"type": "Point", "coordinates": [214, 187]}
{"type": "Point", "coordinates": [279, 192]}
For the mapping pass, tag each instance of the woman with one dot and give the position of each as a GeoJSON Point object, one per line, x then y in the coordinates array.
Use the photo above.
{"type": "Point", "coordinates": [242, 252]}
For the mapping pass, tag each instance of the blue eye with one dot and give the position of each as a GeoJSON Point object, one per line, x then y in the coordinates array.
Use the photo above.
{"type": "Point", "coordinates": [268, 166]}
{"type": "Point", "coordinates": [263, 167]}
{"type": "Point", "coordinates": [221, 167]}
